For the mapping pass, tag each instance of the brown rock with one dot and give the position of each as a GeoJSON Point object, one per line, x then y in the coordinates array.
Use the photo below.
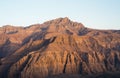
{"type": "Point", "coordinates": [58, 48]}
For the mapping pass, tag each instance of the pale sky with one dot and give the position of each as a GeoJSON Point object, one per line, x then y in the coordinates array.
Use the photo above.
{"type": "Point", "coordinates": [100, 14]}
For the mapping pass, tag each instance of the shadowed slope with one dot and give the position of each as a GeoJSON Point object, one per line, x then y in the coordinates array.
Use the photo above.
{"type": "Point", "coordinates": [59, 47]}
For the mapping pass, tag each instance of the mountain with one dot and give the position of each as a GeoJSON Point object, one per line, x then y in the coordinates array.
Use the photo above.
{"type": "Point", "coordinates": [59, 48]}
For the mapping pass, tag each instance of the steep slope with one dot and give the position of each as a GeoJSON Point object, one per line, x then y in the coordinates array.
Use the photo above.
{"type": "Point", "coordinates": [56, 48]}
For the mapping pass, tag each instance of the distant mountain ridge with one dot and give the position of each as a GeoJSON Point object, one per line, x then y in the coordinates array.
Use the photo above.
{"type": "Point", "coordinates": [58, 48]}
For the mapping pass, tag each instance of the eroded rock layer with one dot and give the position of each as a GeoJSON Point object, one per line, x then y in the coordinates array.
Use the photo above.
{"type": "Point", "coordinates": [58, 48]}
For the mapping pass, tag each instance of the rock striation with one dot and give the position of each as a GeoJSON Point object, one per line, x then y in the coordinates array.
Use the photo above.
{"type": "Point", "coordinates": [59, 48]}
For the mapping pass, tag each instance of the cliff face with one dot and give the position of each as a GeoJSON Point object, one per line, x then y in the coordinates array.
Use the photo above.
{"type": "Point", "coordinates": [58, 48]}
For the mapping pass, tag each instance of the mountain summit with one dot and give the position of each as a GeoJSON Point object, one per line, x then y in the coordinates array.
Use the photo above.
{"type": "Point", "coordinates": [59, 48]}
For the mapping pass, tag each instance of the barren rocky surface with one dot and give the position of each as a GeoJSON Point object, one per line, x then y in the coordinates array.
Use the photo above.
{"type": "Point", "coordinates": [59, 48]}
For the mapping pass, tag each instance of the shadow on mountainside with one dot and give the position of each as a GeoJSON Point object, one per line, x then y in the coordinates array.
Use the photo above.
{"type": "Point", "coordinates": [102, 75]}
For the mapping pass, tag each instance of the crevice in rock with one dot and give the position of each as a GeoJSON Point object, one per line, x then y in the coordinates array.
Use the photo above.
{"type": "Point", "coordinates": [106, 63]}
{"type": "Point", "coordinates": [64, 69]}
{"type": "Point", "coordinates": [22, 68]}
{"type": "Point", "coordinates": [80, 68]}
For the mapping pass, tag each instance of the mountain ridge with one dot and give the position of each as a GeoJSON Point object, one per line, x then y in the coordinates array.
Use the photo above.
{"type": "Point", "coordinates": [58, 46]}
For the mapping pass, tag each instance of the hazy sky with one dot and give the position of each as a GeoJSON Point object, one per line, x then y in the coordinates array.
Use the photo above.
{"type": "Point", "coordinates": [102, 14]}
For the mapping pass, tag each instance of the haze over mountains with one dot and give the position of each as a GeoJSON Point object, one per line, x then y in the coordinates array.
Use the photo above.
{"type": "Point", "coordinates": [59, 48]}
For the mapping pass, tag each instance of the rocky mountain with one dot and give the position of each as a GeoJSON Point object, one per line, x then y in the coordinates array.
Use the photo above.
{"type": "Point", "coordinates": [59, 48]}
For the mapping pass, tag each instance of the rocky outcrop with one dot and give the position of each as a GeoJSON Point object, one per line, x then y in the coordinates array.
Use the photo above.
{"type": "Point", "coordinates": [67, 57]}
{"type": "Point", "coordinates": [60, 48]}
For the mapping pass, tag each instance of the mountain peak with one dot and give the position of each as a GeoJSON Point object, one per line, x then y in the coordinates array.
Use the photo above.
{"type": "Point", "coordinates": [63, 26]}
{"type": "Point", "coordinates": [62, 20]}
{"type": "Point", "coordinates": [66, 19]}
{"type": "Point", "coordinates": [58, 47]}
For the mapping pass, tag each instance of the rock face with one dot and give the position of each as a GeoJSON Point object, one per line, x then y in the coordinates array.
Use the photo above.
{"type": "Point", "coordinates": [59, 48]}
